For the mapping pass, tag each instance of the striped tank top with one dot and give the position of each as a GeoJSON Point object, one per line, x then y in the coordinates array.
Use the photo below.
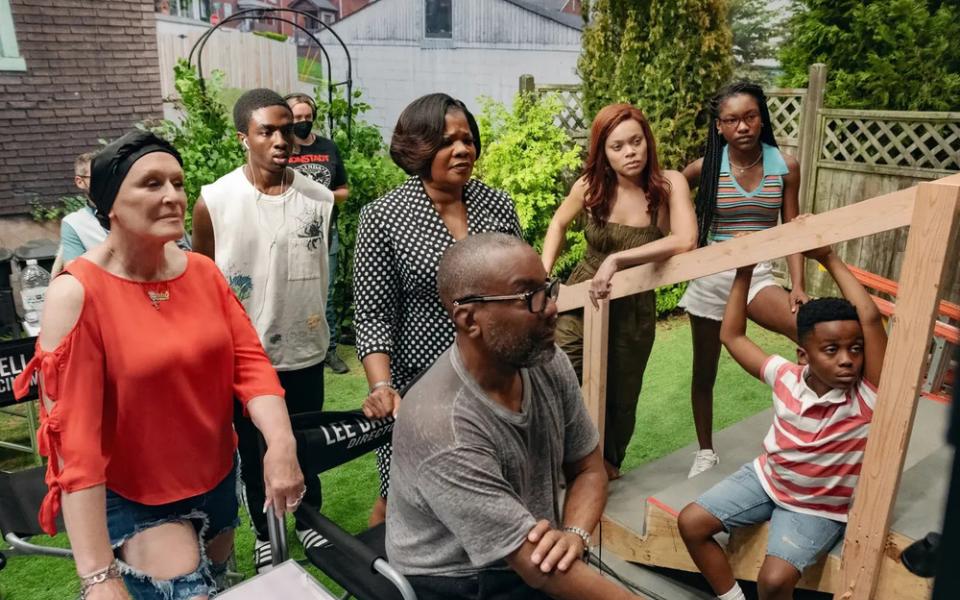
{"type": "Point", "coordinates": [739, 211]}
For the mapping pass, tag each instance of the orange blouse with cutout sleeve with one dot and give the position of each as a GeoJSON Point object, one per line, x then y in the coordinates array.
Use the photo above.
{"type": "Point", "coordinates": [142, 396]}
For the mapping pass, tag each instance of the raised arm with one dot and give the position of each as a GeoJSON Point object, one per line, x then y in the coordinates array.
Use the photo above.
{"type": "Point", "coordinates": [789, 212]}
{"type": "Point", "coordinates": [871, 321]}
{"type": "Point", "coordinates": [553, 242]}
{"type": "Point", "coordinates": [203, 240]}
{"type": "Point", "coordinates": [733, 328]}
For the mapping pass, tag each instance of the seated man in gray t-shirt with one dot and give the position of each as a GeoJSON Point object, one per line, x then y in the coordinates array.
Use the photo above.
{"type": "Point", "coordinates": [486, 439]}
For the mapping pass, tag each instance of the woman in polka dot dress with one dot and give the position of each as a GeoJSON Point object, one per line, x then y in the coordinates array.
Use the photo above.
{"type": "Point", "coordinates": [401, 324]}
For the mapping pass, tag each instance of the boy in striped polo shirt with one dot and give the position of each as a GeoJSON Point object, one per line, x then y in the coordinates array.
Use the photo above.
{"type": "Point", "coordinates": [804, 479]}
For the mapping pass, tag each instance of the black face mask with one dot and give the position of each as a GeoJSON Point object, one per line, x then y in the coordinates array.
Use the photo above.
{"type": "Point", "coordinates": [302, 129]}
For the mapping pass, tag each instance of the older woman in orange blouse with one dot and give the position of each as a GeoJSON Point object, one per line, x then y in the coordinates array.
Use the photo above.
{"type": "Point", "coordinates": [142, 350]}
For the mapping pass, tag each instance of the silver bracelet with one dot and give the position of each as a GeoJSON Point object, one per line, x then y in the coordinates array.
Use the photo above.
{"type": "Point", "coordinates": [381, 384]}
{"type": "Point", "coordinates": [582, 533]}
{"type": "Point", "coordinates": [111, 571]}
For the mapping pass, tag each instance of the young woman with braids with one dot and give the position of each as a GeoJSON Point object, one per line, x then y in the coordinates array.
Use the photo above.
{"type": "Point", "coordinates": [745, 184]}
{"type": "Point", "coordinates": [634, 213]}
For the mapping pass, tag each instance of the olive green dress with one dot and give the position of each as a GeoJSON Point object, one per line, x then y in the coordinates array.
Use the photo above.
{"type": "Point", "coordinates": [632, 329]}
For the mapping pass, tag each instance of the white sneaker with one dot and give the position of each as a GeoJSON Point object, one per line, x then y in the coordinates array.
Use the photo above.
{"type": "Point", "coordinates": [311, 538]}
{"type": "Point", "coordinates": [262, 556]}
{"type": "Point", "coordinates": [704, 460]}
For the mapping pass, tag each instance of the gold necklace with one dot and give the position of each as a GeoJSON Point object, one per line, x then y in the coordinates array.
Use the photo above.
{"type": "Point", "coordinates": [740, 170]}
{"type": "Point", "coordinates": [157, 295]}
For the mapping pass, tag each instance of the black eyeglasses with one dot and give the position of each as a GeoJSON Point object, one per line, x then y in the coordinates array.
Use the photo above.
{"type": "Point", "coordinates": [536, 299]}
{"type": "Point", "coordinates": [750, 119]}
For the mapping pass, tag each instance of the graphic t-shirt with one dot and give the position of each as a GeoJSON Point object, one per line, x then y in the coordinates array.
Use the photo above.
{"type": "Point", "coordinates": [321, 162]}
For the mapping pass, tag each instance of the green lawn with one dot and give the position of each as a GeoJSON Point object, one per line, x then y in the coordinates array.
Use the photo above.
{"type": "Point", "coordinates": [664, 423]}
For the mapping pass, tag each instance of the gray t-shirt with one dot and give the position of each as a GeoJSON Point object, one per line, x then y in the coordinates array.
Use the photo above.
{"type": "Point", "coordinates": [470, 477]}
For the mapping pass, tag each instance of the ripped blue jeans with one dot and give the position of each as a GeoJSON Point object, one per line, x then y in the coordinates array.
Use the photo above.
{"type": "Point", "coordinates": [210, 514]}
{"type": "Point", "coordinates": [798, 538]}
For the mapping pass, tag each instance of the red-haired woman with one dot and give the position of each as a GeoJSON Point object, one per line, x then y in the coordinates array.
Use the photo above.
{"type": "Point", "coordinates": [635, 213]}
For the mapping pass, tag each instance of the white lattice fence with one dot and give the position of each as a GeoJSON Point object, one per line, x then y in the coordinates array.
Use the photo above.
{"type": "Point", "coordinates": [786, 109]}
{"type": "Point", "coordinates": [571, 116]}
{"type": "Point", "coordinates": [916, 141]}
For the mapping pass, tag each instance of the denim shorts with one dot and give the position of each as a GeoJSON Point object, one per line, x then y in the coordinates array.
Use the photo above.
{"type": "Point", "coordinates": [798, 538]}
{"type": "Point", "coordinates": [210, 513]}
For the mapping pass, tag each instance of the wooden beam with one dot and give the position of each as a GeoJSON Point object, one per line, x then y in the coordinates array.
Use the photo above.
{"type": "Point", "coordinates": [875, 215]}
{"type": "Point", "coordinates": [596, 328]}
{"type": "Point", "coordinates": [933, 232]}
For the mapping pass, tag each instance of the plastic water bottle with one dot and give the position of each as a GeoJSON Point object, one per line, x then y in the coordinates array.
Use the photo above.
{"type": "Point", "coordinates": [34, 281]}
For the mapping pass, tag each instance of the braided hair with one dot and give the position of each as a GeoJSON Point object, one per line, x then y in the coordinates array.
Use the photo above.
{"type": "Point", "coordinates": [706, 201]}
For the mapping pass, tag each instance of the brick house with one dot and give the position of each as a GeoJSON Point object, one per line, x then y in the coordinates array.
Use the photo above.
{"type": "Point", "coordinates": [69, 77]}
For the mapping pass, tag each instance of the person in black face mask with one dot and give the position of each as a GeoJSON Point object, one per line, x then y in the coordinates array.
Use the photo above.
{"type": "Point", "coordinates": [318, 158]}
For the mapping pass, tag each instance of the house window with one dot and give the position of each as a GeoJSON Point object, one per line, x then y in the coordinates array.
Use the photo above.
{"type": "Point", "coordinates": [438, 18]}
{"type": "Point", "coordinates": [10, 59]}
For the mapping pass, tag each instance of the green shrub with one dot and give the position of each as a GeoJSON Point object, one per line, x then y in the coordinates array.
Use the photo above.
{"type": "Point", "coordinates": [205, 138]}
{"type": "Point", "coordinates": [66, 205]}
{"type": "Point", "coordinates": [668, 297]}
{"type": "Point", "coordinates": [534, 161]}
{"type": "Point", "coordinates": [882, 54]}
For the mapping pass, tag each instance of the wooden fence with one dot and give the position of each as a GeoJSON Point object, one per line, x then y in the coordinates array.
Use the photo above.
{"type": "Point", "coordinates": [862, 153]}
{"type": "Point", "coordinates": [247, 60]}
{"type": "Point", "coordinates": [845, 156]}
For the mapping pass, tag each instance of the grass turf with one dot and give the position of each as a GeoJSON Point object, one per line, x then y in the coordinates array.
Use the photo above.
{"type": "Point", "coordinates": [664, 424]}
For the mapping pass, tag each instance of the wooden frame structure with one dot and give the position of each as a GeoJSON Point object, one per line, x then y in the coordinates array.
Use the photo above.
{"type": "Point", "coordinates": [932, 211]}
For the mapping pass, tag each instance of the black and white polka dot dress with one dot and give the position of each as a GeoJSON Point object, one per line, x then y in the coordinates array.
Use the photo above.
{"type": "Point", "coordinates": [400, 241]}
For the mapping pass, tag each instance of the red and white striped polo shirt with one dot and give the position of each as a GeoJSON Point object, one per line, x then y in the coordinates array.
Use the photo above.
{"type": "Point", "coordinates": [813, 453]}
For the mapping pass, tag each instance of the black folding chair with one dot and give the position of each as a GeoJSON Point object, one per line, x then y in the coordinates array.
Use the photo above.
{"type": "Point", "coordinates": [20, 496]}
{"type": "Point", "coordinates": [358, 564]}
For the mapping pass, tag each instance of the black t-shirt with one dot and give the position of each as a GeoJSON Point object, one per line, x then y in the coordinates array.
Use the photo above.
{"type": "Point", "coordinates": [321, 162]}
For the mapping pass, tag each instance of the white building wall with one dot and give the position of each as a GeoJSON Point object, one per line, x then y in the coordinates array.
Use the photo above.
{"type": "Point", "coordinates": [493, 43]}
{"type": "Point", "coordinates": [392, 76]}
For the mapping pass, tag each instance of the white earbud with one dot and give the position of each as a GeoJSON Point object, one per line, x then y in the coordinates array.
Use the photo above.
{"type": "Point", "coordinates": [245, 144]}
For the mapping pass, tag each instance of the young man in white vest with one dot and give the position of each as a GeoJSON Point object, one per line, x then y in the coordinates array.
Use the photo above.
{"type": "Point", "coordinates": [266, 226]}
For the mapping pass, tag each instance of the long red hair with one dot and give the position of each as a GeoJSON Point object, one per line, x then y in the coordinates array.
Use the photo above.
{"type": "Point", "coordinates": [600, 177]}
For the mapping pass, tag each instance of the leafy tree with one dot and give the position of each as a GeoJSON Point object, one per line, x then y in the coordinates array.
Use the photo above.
{"type": "Point", "coordinates": [665, 56]}
{"type": "Point", "coordinates": [533, 160]}
{"type": "Point", "coordinates": [881, 54]}
{"type": "Point", "coordinates": [755, 24]}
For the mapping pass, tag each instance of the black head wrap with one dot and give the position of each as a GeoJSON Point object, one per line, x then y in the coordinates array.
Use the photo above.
{"type": "Point", "coordinates": [110, 166]}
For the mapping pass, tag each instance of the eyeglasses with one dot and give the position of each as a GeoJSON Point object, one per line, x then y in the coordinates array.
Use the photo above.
{"type": "Point", "coordinates": [536, 299]}
{"type": "Point", "coordinates": [749, 119]}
